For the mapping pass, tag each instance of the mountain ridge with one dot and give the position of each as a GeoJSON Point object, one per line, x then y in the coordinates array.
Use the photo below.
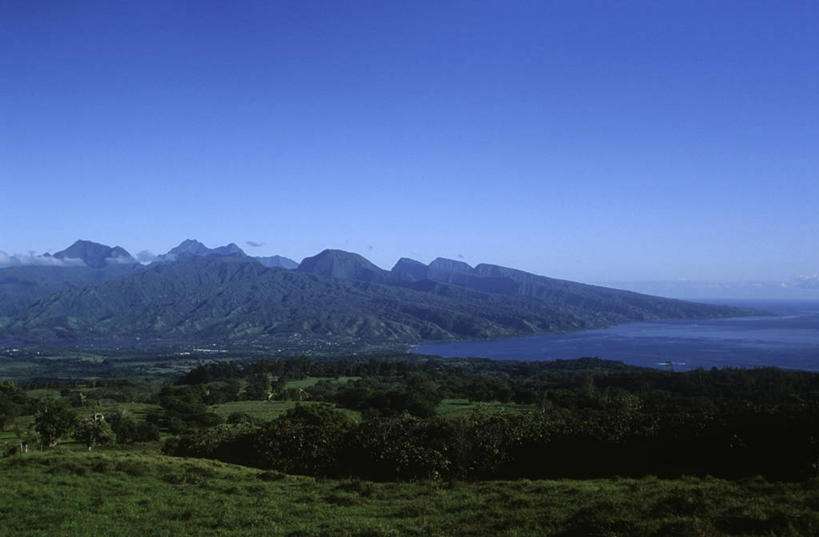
{"type": "Point", "coordinates": [334, 296]}
{"type": "Point", "coordinates": [96, 255]}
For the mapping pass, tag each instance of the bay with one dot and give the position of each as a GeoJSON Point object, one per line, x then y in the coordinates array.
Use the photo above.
{"type": "Point", "coordinates": [786, 336]}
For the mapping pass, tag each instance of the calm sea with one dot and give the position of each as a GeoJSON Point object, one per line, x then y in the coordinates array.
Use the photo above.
{"type": "Point", "coordinates": [788, 338]}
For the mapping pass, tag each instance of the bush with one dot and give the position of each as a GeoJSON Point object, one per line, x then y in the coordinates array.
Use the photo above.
{"type": "Point", "coordinates": [229, 443]}
{"type": "Point", "coordinates": [93, 431]}
{"type": "Point", "coordinates": [236, 418]}
{"type": "Point", "coordinates": [53, 420]}
{"type": "Point", "coordinates": [305, 440]}
{"type": "Point", "coordinates": [400, 448]}
{"type": "Point", "coordinates": [129, 431]}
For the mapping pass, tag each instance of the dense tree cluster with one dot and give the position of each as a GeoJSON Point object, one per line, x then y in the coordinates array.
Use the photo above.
{"type": "Point", "coordinates": [620, 440]}
{"type": "Point", "coordinates": [584, 418]}
{"type": "Point", "coordinates": [523, 382]}
{"type": "Point", "coordinates": [578, 418]}
{"type": "Point", "coordinates": [129, 430]}
{"type": "Point", "coordinates": [13, 403]}
{"type": "Point", "coordinates": [183, 408]}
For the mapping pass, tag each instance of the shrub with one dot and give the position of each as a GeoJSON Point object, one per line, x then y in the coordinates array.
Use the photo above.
{"type": "Point", "coordinates": [129, 431]}
{"type": "Point", "coordinates": [400, 448]}
{"type": "Point", "coordinates": [305, 440]}
{"type": "Point", "coordinates": [93, 431]}
{"type": "Point", "coordinates": [236, 418]}
{"type": "Point", "coordinates": [53, 420]}
{"type": "Point", "coordinates": [229, 443]}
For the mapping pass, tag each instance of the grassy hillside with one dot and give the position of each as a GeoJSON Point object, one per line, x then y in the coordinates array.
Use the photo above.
{"type": "Point", "coordinates": [444, 467]}
{"type": "Point", "coordinates": [120, 494]}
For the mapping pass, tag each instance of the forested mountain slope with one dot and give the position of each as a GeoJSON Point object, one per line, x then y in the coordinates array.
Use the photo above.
{"type": "Point", "coordinates": [334, 296]}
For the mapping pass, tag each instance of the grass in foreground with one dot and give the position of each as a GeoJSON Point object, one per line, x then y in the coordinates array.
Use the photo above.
{"type": "Point", "coordinates": [123, 494]}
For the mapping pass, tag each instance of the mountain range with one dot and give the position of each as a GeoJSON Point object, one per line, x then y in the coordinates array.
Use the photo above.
{"type": "Point", "coordinates": [194, 293]}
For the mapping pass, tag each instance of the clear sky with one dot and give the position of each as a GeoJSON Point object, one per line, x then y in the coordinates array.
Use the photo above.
{"type": "Point", "coordinates": [596, 141]}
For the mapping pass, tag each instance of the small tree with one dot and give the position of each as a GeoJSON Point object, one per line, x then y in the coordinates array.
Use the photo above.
{"type": "Point", "coordinates": [94, 431]}
{"type": "Point", "coordinates": [259, 386]}
{"type": "Point", "coordinates": [127, 430]}
{"type": "Point", "coordinates": [305, 440]}
{"type": "Point", "coordinates": [25, 437]}
{"type": "Point", "coordinates": [8, 412]}
{"type": "Point", "coordinates": [53, 420]}
{"type": "Point", "coordinates": [12, 402]}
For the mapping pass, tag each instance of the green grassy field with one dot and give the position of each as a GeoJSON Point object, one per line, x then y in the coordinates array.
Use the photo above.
{"type": "Point", "coordinates": [461, 407]}
{"type": "Point", "coordinates": [136, 410]}
{"type": "Point", "coordinates": [43, 393]}
{"type": "Point", "coordinates": [264, 410]}
{"type": "Point", "coordinates": [312, 381]}
{"type": "Point", "coordinates": [122, 494]}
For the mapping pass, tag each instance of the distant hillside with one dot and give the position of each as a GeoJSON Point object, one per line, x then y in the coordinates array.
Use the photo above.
{"type": "Point", "coordinates": [335, 296]}
{"type": "Point", "coordinates": [24, 285]}
{"type": "Point", "coordinates": [85, 263]}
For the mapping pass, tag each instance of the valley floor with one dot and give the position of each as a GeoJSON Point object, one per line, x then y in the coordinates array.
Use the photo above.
{"type": "Point", "coordinates": [120, 493]}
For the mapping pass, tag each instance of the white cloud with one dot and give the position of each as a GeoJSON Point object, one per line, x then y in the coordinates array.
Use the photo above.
{"type": "Point", "coordinates": [145, 257]}
{"type": "Point", "coordinates": [19, 260]}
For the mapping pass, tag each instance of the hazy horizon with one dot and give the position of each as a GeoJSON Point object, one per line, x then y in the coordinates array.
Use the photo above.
{"type": "Point", "coordinates": [650, 142]}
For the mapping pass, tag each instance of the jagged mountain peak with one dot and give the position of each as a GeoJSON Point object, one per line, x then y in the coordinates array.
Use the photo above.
{"type": "Point", "coordinates": [96, 255]}
{"type": "Point", "coordinates": [189, 246]}
{"type": "Point", "coordinates": [410, 270]}
{"type": "Point", "coordinates": [341, 264]}
{"type": "Point", "coordinates": [449, 266]}
{"type": "Point", "coordinates": [231, 249]}
{"type": "Point", "coordinates": [194, 248]}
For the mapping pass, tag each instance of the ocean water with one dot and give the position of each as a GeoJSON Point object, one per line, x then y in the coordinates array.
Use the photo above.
{"type": "Point", "coordinates": [786, 336]}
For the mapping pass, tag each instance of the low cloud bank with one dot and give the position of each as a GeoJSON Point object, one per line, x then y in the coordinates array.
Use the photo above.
{"type": "Point", "coordinates": [807, 282]}
{"type": "Point", "coordinates": [146, 257]}
{"type": "Point", "coordinates": [20, 260]}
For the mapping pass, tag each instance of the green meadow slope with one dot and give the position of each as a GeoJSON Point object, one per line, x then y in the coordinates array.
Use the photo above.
{"type": "Point", "coordinates": [118, 493]}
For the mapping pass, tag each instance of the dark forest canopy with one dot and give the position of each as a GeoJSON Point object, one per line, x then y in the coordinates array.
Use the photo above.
{"type": "Point", "coordinates": [578, 418]}
{"type": "Point", "coordinates": [382, 417]}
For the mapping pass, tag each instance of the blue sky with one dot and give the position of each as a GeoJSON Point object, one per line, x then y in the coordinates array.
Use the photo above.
{"type": "Point", "coordinates": [588, 140]}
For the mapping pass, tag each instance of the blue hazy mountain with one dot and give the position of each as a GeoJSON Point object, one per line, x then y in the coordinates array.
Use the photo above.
{"type": "Point", "coordinates": [82, 264]}
{"type": "Point", "coordinates": [193, 248]}
{"type": "Point", "coordinates": [197, 293]}
{"type": "Point", "coordinates": [343, 265]}
{"type": "Point", "coordinates": [96, 255]}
